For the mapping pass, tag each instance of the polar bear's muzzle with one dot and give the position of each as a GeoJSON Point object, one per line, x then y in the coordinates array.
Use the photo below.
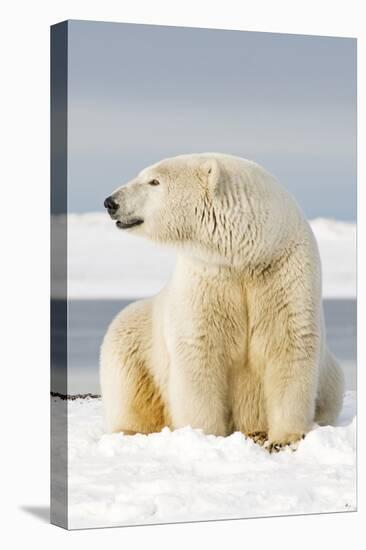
{"type": "Point", "coordinates": [115, 212]}
{"type": "Point", "coordinates": [126, 204]}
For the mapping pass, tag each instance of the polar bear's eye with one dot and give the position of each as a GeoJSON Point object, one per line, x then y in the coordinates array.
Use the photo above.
{"type": "Point", "coordinates": [154, 182]}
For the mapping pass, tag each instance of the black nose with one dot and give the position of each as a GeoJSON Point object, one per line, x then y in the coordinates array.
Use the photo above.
{"type": "Point", "coordinates": [111, 204]}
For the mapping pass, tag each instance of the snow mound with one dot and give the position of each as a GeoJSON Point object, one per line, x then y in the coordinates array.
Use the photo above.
{"type": "Point", "coordinates": [337, 246]}
{"type": "Point", "coordinates": [104, 262]}
{"type": "Point", "coordinates": [184, 475]}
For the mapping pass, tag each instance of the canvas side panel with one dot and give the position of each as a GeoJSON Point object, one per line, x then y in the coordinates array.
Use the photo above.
{"type": "Point", "coordinates": [59, 54]}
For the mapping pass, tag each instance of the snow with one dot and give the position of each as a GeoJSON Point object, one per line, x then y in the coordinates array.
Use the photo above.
{"type": "Point", "coordinates": [104, 262]}
{"type": "Point", "coordinates": [184, 475]}
{"type": "Point", "coordinates": [337, 246]}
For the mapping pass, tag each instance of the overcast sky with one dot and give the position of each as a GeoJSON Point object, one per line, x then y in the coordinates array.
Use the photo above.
{"type": "Point", "coordinates": [139, 93]}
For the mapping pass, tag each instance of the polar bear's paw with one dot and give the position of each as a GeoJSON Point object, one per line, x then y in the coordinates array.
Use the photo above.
{"type": "Point", "coordinates": [258, 437]}
{"type": "Point", "coordinates": [290, 442]}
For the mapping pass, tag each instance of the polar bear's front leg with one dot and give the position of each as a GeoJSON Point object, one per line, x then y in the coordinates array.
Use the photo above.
{"type": "Point", "coordinates": [286, 314]}
{"type": "Point", "coordinates": [290, 383]}
{"type": "Point", "coordinates": [197, 390]}
{"type": "Point", "coordinates": [290, 402]}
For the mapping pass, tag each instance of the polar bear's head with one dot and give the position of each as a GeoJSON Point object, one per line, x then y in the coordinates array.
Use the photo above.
{"type": "Point", "coordinates": [208, 204]}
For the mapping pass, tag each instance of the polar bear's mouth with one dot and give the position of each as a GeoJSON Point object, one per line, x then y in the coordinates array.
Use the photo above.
{"type": "Point", "coordinates": [130, 223]}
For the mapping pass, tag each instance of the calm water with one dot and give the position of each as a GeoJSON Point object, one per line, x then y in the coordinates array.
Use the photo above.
{"type": "Point", "coordinates": [89, 319]}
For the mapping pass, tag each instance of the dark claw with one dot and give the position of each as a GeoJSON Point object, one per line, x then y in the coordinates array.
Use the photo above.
{"type": "Point", "coordinates": [275, 447]}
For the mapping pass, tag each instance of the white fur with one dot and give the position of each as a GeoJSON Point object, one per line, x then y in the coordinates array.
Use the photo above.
{"type": "Point", "coordinates": [236, 340]}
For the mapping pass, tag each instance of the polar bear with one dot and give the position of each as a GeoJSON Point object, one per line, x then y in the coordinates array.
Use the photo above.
{"type": "Point", "coordinates": [236, 339]}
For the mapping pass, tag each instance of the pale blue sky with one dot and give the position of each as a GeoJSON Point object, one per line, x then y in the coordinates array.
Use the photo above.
{"type": "Point", "coordinates": [139, 93]}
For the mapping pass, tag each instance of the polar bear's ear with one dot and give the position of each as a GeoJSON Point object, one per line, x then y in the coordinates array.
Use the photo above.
{"type": "Point", "coordinates": [211, 172]}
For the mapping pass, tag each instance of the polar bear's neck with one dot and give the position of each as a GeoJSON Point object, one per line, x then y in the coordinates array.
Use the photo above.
{"type": "Point", "coordinates": [193, 266]}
